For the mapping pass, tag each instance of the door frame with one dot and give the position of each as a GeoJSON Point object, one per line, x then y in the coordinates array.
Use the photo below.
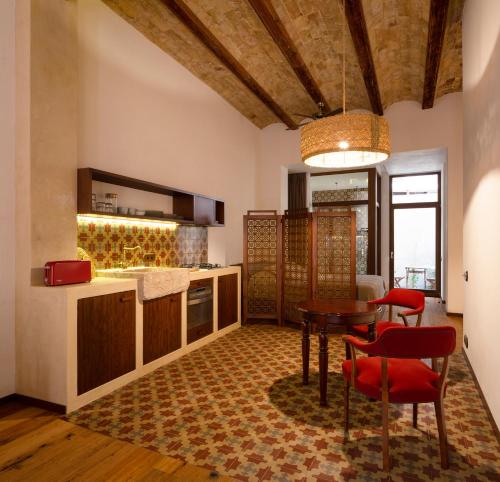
{"type": "Point", "coordinates": [373, 262]}
{"type": "Point", "coordinates": [435, 204]}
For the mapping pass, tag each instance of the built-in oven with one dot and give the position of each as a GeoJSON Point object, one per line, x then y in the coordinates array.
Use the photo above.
{"type": "Point", "coordinates": [200, 309]}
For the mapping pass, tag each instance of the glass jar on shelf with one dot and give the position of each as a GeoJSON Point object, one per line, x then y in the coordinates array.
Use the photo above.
{"type": "Point", "coordinates": [111, 199]}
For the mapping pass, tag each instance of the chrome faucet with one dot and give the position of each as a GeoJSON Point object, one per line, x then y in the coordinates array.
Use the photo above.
{"type": "Point", "coordinates": [125, 249]}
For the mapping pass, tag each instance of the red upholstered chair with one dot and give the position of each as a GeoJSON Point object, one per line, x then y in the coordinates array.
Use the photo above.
{"type": "Point", "coordinates": [395, 373]}
{"type": "Point", "coordinates": [414, 300]}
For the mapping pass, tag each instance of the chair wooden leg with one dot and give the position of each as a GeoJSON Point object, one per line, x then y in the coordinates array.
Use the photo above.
{"type": "Point", "coordinates": [306, 343]}
{"type": "Point", "coordinates": [385, 435]}
{"type": "Point", "coordinates": [385, 416]}
{"type": "Point", "coordinates": [443, 438]}
{"type": "Point", "coordinates": [346, 410]}
{"type": "Point", "coordinates": [323, 364]}
{"type": "Point", "coordinates": [415, 415]}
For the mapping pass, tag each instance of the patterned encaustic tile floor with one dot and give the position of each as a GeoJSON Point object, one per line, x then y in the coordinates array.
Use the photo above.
{"type": "Point", "coordinates": [238, 406]}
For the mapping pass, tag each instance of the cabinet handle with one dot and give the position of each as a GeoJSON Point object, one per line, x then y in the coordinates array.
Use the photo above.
{"type": "Point", "coordinates": [124, 299]}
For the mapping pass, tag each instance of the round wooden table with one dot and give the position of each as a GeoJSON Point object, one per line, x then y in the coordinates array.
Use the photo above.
{"type": "Point", "coordinates": [339, 313]}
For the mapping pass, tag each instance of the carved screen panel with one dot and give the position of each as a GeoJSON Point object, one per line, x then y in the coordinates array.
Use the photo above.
{"type": "Point", "coordinates": [262, 265]}
{"type": "Point", "coordinates": [361, 232]}
{"type": "Point", "coordinates": [296, 262]}
{"type": "Point", "coordinates": [334, 252]}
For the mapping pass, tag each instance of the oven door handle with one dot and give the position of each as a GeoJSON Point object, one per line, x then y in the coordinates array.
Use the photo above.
{"type": "Point", "coordinates": [199, 301]}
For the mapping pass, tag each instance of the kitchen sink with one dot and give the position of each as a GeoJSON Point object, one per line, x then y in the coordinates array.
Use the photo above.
{"type": "Point", "coordinates": [153, 282]}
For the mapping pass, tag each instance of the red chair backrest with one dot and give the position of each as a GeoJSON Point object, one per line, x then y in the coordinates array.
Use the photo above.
{"type": "Point", "coordinates": [412, 342]}
{"type": "Point", "coordinates": [407, 298]}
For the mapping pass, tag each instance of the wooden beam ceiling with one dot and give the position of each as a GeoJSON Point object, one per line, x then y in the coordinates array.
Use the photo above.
{"type": "Point", "coordinates": [435, 37]}
{"type": "Point", "coordinates": [269, 17]}
{"type": "Point", "coordinates": [359, 33]}
{"type": "Point", "coordinates": [193, 23]}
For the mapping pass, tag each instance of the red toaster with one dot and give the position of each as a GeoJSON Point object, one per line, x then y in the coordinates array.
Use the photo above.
{"type": "Point", "coordinates": [67, 272]}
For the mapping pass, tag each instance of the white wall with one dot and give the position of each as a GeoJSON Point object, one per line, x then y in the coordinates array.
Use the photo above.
{"type": "Point", "coordinates": [412, 129]}
{"type": "Point", "coordinates": [481, 60]}
{"type": "Point", "coordinates": [144, 115]}
{"type": "Point", "coordinates": [46, 161]}
{"type": "Point", "coordinates": [277, 149]}
{"type": "Point", "coordinates": [7, 197]}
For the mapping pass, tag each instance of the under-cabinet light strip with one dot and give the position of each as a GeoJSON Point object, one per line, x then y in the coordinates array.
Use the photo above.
{"type": "Point", "coordinates": [102, 218]}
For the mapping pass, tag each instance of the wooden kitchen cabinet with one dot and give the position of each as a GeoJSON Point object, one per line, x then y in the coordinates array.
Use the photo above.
{"type": "Point", "coordinates": [227, 300]}
{"type": "Point", "coordinates": [161, 326]}
{"type": "Point", "coordinates": [204, 211]}
{"type": "Point", "coordinates": [105, 338]}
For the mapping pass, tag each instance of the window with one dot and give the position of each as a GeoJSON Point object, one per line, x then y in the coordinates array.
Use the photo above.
{"type": "Point", "coordinates": [415, 189]}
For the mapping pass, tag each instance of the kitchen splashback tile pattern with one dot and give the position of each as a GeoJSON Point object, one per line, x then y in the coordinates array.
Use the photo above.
{"type": "Point", "coordinates": [104, 243]}
{"type": "Point", "coordinates": [357, 194]}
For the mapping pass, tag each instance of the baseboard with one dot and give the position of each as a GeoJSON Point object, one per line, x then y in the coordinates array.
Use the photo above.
{"type": "Point", "coordinates": [485, 403]}
{"type": "Point", "coordinates": [34, 402]}
{"type": "Point", "coordinates": [8, 398]}
{"type": "Point", "coordinates": [450, 313]}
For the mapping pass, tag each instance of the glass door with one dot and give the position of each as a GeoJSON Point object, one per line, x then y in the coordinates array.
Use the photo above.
{"type": "Point", "coordinates": [415, 257]}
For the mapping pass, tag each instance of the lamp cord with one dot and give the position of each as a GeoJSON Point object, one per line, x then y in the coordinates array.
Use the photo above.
{"type": "Point", "coordinates": [343, 56]}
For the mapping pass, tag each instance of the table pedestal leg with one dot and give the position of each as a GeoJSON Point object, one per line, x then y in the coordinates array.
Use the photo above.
{"type": "Point", "coordinates": [371, 332]}
{"type": "Point", "coordinates": [306, 343]}
{"type": "Point", "coordinates": [323, 364]}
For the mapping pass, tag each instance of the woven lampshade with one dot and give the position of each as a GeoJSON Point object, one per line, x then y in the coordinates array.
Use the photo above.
{"type": "Point", "coordinates": [345, 140]}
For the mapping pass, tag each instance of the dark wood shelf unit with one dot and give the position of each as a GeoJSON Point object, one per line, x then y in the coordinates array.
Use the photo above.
{"type": "Point", "coordinates": [219, 213]}
{"type": "Point", "coordinates": [188, 207]}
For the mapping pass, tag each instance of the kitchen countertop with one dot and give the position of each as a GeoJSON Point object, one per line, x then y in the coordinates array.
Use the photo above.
{"type": "Point", "coordinates": [104, 285]}
{"type": "Point", "coordinates": [98, 286]}
{"type": "Point", "coordinates": [210, 273]}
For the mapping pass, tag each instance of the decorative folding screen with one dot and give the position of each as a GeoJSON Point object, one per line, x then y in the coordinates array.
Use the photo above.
{"type": "Point", "coordinates": [262, 265]}
{"type": "Point", "coordinates": [296, 262]}
{"type": "Point", "coordinates": [334, 255]}
{"type": "Point", "coordinates": [296, 257]}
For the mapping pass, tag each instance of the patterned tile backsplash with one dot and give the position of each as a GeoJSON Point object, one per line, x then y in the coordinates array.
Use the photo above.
{"type": "Point", "coordinates": [356, 194]}
{"type": "Point", "coordinates": [104, 242]}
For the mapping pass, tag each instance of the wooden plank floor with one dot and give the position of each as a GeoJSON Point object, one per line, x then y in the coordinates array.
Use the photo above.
{"type": "Point", "coordinates": [435, 315]}
{"type": "Point", "coordinates": [38, 445]}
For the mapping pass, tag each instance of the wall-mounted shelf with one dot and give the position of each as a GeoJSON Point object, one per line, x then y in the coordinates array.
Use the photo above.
{"type": "Point", "coordinates": [187, 207]}
{"type": "Point", "coordinates": [131, 217]}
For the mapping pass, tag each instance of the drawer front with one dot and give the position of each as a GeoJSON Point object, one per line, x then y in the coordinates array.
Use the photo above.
{"type": "Point", "coordinates": [201, 283]}
{"type": "Point", "coordinates": [199, 331]}
{"type": "Point", "coordinates": [227, 300]}
{"type": "Point", "coordinates": [105, 338]}
{"type": "Point", "coordinates": [161, 326]}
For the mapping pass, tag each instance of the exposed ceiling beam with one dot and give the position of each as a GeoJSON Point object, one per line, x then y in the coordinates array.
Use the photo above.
{"type": "Point", "coordinates": [193, 23]}
{"type": "Point", "coordinates": [269, 17]}
{"type": "Point", "coordinates": [435, 37]}
{"type": "Point", "coordinates": [359, 33]}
